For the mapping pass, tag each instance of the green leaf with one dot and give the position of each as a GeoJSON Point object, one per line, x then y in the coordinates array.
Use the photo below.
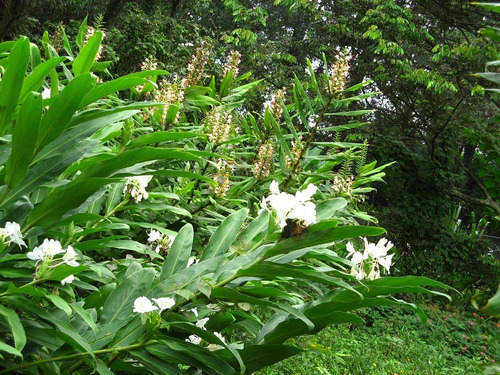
{"type": "Point", "coordinates": [179, 252]}
{"type": "Point", "coordinates": [58, 116]}
{"type": "Point", "coordinates": [177, 351]}
{"type": "Point", "coordinates": [15, 325]}
{"type": "Point", "coordinates": [256, 357]}
{"type": "Point", "coordinates": [56, 204]}
{"type": "Point", "coordinates": [129, 158]}
{"type": "Point", "coordinates": [82, 30]}
{"type": "Point", "coordinates": [12, 81]}
{"type": "Point", "coordinates": [83, 62]}
{"type": "Point", "coordinates": [34, 80]}
{"type": "Point", "coordinates": [85, 316]}
{"type": "Point", "coordinates": [322, 238]}
{"type": "Point", "coordinates": [119, 305]}
{"type": "Point", "coordinates": [495, 7]}
{"type": "Point", "coordinates": [225, 235]}
{"type": "Point", "coordinates": [492, 308]}
{"type": "Point", "coordinates": [104, 89]}
{"type": "Point", "coordinates": [158, 137]}
{"type": "Point", "coordinates": [9, 349]}
{"type": "Point", "coordinates": [23, 140]}
{"type": "Point", "coordinates": [60, 303]}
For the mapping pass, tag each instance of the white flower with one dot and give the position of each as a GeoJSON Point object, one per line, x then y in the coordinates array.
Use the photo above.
{"type": "Point", "coordinates": [136, 186]}
{"type": "Point", "coordinates": [386, 262]}
{"type": "Point", "coordinates": [357, 256]}
{"type": "Point", "coordinates": [46, 93]}
{"type": "Point", "coordinates": [191, 261]}
{"type": "Point", "coordinates": [37, 254]}
{"type": "Point", "coordinates": [201, 323]}
{"type": "Point", "coordinates": [144, 305]}
{"type": "Point", "coordinates": [68, 280]}
{"type": "Point", "coordinates": [219, 336]}
{"type": "Point", "coordinates": [164, 303]}
{"type": "Point", "coordinates": [274, 187]}
{"type": "Point", "coordinates": [373, 256]}
{"type": "Point", "coordinates": [194, 310]}
{"type": "Point", "coordinates": [47, 249]}
{"type": "Point", "coordinates": [154, 235]}
{"type": "Point", "coordinates": [70, 257]}
{"type": "Point", "coordinates": [13, 231]}
{"type": "Point", "coordinates": [287, 206]}
{"type": "Point", "coordinates": [193, 339]}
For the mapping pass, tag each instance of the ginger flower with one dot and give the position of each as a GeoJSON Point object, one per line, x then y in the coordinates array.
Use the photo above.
{"type": "Point", "coordinates": [143, 305]}
{"type": "Point", "coordinates": [12, 233]}
{"type": "Point", "coordinates": [164, 303]}
{"type": "Point", "coordinates": [287, 206]}
{"type": "Point", "coordinates": [136, 187]}
{"type": "Point", "coordinates": [370, 260]}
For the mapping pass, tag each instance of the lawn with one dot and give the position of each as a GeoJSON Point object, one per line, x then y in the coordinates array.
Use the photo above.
{"type": "Point", "coordinates": [394, 341]}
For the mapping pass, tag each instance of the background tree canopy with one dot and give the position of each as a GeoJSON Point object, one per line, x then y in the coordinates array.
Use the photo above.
{"type": "Point", "coordinates": [431, 116]}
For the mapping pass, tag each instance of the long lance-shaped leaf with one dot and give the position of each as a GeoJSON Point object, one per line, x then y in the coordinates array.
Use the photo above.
{"type": "Point", "coordinates": [108, 88]}
{"type": "Point", "coordinates": [70, 137]}
{"type": "Point", "coordinates": [23, 140]}
{"type": "Point", "coordinates": [83, 62]}
{"type": "Point", "coordinates": [119, 305]}
{"type": "Point", "coordinates": [62, 200]}
{"type": "Point", "coordinates": [323, 237]}
{"type": "Point", "coordinates": [177, 351]}
{"type": "Point", "coordinates": [47, 170]}
{"type": "Point", "coordinates": [225, 235]}
{"type": "Point", "coordinates": [260, 356]}
{"type": "Point", "coordinates": [34, 80]}
{"type": "Point", "coordinates": [269, 270]}
{"type": "Point", "coordinates": [57, 118]}
{"type": "Point", "coordinates": [64, 330]}
{"type": "Point", "coordinates": [179, 252]}
{"type": "Point", "coordinates": [132, 157]}
{"type": "Point", "coordinates": [12, 81]}
{"type": "Point", "coordinates": [233, 295]}
{"type": "Point", "coordinates": [16, 327]}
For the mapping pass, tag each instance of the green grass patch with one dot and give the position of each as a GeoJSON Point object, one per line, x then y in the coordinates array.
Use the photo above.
{"type": "Point", "coordinates": [396, 342]}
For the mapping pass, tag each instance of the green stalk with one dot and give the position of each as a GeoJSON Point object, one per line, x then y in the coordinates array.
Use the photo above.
{"type": "Point", "coordinates": [76, 355]}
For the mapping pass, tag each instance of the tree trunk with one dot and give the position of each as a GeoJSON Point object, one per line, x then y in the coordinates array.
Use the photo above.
{"type": "Point", "coordinates": [113, 11]}
{"type": "Point", "coordinates": [11, 11]}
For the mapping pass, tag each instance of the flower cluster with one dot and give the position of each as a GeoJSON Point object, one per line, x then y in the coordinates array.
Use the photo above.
{"type": "Point", "coordinates": [218, 126]}
{"type": "Point", "coordinates": [294, 207]}
{"type": "Point", "coordinates": [233, 63]}
{"type": "Point", "coordinates": [370, 260]}
{"type": "Point", "coordinates": [169, 94]}
{"type": "Point", "coordinates": [161, 243]}
{"type": "Point", "coordinates": [144, 305]}
{"type": "Point", "coordinates": [296, 150]}
{"type": "Point", "coordinates": [338, 72]}
{"type": "Point", "coordinates": [275, 107]}
{"type": "Point", "coordinates": [11, 233]}
{"type": "Point", "coordinates": [50, 248]}
{"type": "Point", "coordinates": [136, 187]}
{"type": "Point", "coordinates": [224, 170]}
{"type": "Point", "coordinates": [342, 185]}
{"type": "Point", "coordinates": [262, 166]}
{"type": "Point", "coordinates": [196, 68]}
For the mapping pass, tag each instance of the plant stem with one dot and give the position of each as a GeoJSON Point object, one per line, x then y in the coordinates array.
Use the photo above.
{"type": "Point", "coordinates": [311, 136]}
{"type": "Point", "coordinates": [76, 355]}
{"type": "Point", "coordinates": [122, 203]}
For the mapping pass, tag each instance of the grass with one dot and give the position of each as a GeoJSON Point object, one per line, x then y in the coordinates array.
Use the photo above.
{"type": "Point", "coordinates": [396, 342]}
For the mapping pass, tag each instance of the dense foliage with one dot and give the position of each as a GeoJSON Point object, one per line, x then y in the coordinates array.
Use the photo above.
{"type": "Point", "coordinates": [431, 117]}
{"type": "Point", "coordinates": [133, 240]}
